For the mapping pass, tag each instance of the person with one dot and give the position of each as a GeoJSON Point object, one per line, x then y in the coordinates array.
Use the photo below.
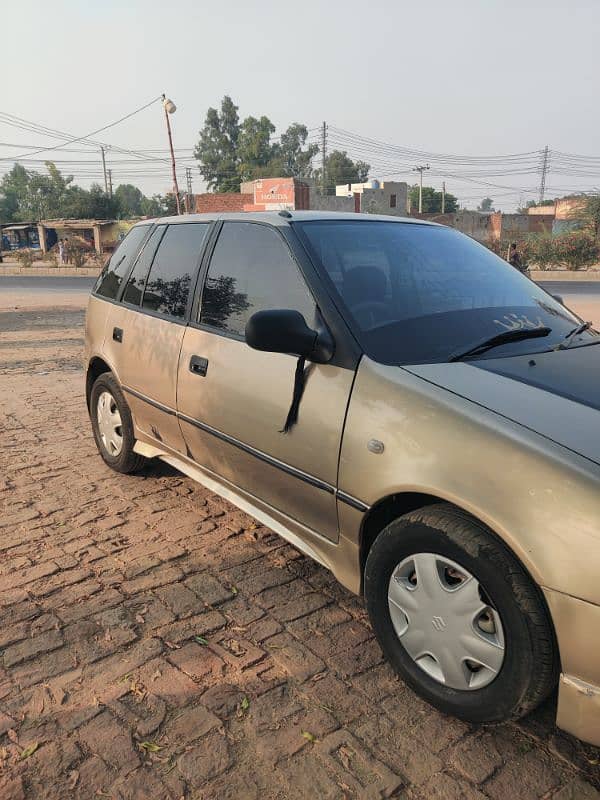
{"type": "Point", "coordinates": [66, 250]}
{"type": "Point", "coordinates": [61, 252]}
{"type": "Point", "coordinates": [514, 258]}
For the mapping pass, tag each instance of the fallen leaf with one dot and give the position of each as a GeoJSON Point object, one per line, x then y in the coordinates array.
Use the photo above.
{"type": "Point", "coordinates": [172, 645]}
{"type": "Point", "coordinates": [309, 736]}
{"type": "Point", "coordinates": [12, 735]}
{"type": "Point", "coordinates": [73, 778]}
{"type": "Point", "coordinates": [245, 704]}
{"type": "Point", "coordinates": [234, 590]}
{"type": "Point", "coordinates": [139, 619]}
{"type": "Point", "coordinates": [150, 747]}
{"type": "Point", "coordinates": [29, 750]}
{"type": "Point", "coordinates": [200, 640]}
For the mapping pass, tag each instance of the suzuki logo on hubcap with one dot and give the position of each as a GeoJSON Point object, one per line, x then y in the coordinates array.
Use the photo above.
{"type": "Point", "coordinates": [438, 623]}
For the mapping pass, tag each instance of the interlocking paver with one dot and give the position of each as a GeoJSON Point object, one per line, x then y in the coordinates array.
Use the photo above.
{"type": "Point", "coordinates": [156, 642]}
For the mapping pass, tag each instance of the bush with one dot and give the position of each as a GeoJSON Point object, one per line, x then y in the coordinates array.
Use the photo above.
{"type": "Point", "coordinates": [51, 257]}
{"type": "Point", "coordinates": [78, 256]}
{"type": "Point", "coordinates": [25, 256]}
{"type": "Point", "coordinates": [576, 249]}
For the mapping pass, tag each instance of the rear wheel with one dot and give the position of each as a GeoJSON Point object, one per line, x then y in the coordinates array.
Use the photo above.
{"type": "Point", "coordinates": [457, 616]}
{"type": "Point", "coordinates": [112, 425]}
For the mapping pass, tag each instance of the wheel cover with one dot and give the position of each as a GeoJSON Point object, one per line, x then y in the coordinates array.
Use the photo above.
{"type": "Point", "coordinates": [110, 426]}
{"type": "Point", "coordinates": [445, 621]}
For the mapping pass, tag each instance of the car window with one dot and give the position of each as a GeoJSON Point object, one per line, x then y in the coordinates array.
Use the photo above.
{"type": "Point", "coordinates": [251, 270]}
{"type": "Point", "coordinates": [117, 266]}
{"type": "Point", "coordinates": [168, 284]}
{"type": "Point", "coordinates": [136, 281]}
{"type": "Point", "coordinates": [418, 293]}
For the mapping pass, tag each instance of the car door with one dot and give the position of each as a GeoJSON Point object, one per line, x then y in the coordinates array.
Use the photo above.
{"type": "Point", "coordinates": [145, 330]}
{"type": "Point", "coordinates": [233, 401]}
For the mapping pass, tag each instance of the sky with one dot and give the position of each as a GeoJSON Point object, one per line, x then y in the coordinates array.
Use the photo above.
{"type": "Point", "coordinates": [454, 84]}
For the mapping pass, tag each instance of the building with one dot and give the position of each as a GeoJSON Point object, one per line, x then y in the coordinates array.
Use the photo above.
{"type": "Point", "coordinates": [378, 197]}
{"type": "Point", "coordinates": [91, 234]}
{"type": "Point", "coordinates": [294, 194]}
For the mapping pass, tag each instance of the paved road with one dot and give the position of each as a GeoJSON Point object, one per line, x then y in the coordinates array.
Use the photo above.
{"type": "Point", "coordinates": [22, 292]}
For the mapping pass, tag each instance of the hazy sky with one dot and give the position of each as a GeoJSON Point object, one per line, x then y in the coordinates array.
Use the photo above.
{"type": "Point", "coordinates": [484, 78]}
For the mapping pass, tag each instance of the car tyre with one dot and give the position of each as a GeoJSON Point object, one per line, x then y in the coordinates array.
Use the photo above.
{"type": "Point", "coordinates": [458, 545]}
{"type": "Point", "coordinates": [113, 426]}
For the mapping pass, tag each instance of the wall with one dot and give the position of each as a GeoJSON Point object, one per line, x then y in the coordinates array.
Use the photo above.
{"type": "Point", "coordinates": [567, 208]}
{"type": "Point", "coordinates": [328, 202]}
{"type": "Point", "coordinates": [215, 202]}
{"type": "Point", "coordinates": [478, 225]}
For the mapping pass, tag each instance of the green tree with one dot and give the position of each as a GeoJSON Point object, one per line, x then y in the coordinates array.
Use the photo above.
{"type": "Point", "coordinates": [294, 157]}
{"type": "Point", "coordinates": [589, 213]}
{"type": "Point", "coordinates": [254, 149]}
{"type": "Point", "coordinates": [432, 200]}
{"type": "Point", "coordinates": [130, 200]}
{"type": "Point", "coordinates": [486, 204]}
{"type": "Point", "coordinates": [339, 169]}
{"type": "Point", "coordinates": [217, 148]}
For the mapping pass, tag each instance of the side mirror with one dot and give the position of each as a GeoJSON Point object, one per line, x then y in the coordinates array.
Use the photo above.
{"type": "Point", "coordinates": [286, 331]}
{"type": "Point", "coordinates": [559, 298]}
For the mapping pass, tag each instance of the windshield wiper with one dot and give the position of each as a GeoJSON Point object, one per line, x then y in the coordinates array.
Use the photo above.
{"type": "Point", "coordinates": [570, 337]}
{"type": "Point", "coordinates": [500, 338]}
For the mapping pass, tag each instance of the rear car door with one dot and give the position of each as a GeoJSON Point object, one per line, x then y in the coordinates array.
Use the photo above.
{"type": "Point", "coordinates": [233, 401]}
{"type": "Point", "coordinates": [145, 330]}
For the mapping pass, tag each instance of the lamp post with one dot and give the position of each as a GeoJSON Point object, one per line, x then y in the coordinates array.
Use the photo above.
{"type": "Point", "coordinates": [420, 170]}
{"type": "Point", "coordinates": [170, 108]}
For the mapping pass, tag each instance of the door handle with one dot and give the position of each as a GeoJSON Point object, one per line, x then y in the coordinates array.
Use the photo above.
{"type": "Point", "coordinates": [118, 334]}
{"type": "Point", "coordinates": [199, 365]}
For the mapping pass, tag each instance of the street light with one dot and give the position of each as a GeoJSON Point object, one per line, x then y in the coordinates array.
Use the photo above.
{"type": "Point", "coordinates": [420, 170]}
{"type": "Point", "coordinates": [170, 108]}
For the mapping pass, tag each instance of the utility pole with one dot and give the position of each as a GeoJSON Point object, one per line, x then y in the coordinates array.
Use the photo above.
{"type": "Point", "coordinates": [104, 170]}
{"type": "Point", "coordinates": [170, 108]}
{"type": "Point", "coordinates": [545, 165]}
{"type": "Point", "coordinates": [188, 176]}
{"type": "Point", "coordinates": [443, 197]}
{"type": "Point", "coordinates": [110, 182]}
{"type": "Point", "coordinates": [323, 157]}
{"type": "Point", "coordinates": [421, 169]}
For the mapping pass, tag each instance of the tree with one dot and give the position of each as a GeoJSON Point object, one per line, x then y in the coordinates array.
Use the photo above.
{"type": "Point", "coordinates": [295, 160]}
{"type": "Point", "coordinates": [432, 200]}
{"type": "Point", "coordinates": [589, 213]}
{"type": "Point", "coordinates": [217, 148]}
{"type": "Point", "coordinates": [486, 204]}
{"type": "Point", "coordinates": [254, 149]}
{"type": "Point", "coordinates": [130, 200]}
{"type": "Point", "coordinates": [340, 169]}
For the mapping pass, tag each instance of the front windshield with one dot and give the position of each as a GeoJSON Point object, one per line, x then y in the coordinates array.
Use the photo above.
{"type": "Point", "coordinates": [420, 293]}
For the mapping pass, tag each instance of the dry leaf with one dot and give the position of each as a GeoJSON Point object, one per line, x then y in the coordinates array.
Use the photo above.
{"type": "Point", "coordinates": [73, 778]}
{"type": "Point", "coordinates": [172, 645]}
{"type": "Point", "coordinates": [150, 747]}
{"type": "Point", "coordinates": [309, 736]}
{"type": "Point", "coordinates": [29, 750]}
{"type": "Point", "coordinates": [12, 735]}
{"type": "Point", "coordinates": [140, 619]}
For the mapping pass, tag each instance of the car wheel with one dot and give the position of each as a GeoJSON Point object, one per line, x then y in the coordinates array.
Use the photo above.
{"type": "Point", "coordinates": [113, 426]}
{"type": "Point", "coordinates": [458, 617]}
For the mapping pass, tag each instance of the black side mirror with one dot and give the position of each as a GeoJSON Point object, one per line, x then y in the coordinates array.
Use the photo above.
{"type": "Point", "coordinates": [286, 331]}
{"type": "Point", "coordinates": [559, 298]}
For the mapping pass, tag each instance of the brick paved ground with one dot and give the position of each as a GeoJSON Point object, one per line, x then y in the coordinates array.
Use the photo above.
{"type": "Point", "coordinates": [157, 643]}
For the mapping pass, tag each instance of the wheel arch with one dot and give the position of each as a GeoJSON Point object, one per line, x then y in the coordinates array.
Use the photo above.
{"type": "Point", "coordinates": [96, 367]}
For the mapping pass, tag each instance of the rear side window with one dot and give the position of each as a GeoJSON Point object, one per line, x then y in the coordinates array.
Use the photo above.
{"type": "Point", "coordinates": [135, 285]}
{"type": "Point", "coordinates": [168, 284]}
{"type": "Point", "coordinates": [251, 270]}
{"type": "Point", "coordinates": [112, 275]}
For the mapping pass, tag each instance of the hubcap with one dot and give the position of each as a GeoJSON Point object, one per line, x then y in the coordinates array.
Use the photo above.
{"type": "Point", "coordinates": [109, 424]}
{"type": "Point", "coordinates": [445, 621]}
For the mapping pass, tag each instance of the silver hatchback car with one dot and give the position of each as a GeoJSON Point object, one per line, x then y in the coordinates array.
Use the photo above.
{"type": "Point", "coordinates": [401, 405]}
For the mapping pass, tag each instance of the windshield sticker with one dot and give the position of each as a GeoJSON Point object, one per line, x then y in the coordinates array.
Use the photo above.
{"type": "Point", "coordinates": [518, 322]}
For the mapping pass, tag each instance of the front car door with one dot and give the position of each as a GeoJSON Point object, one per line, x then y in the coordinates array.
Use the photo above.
{"type": "Point", "coordinates": [232, 413]}
{"type": "Point", "coordinates": [145, 330]}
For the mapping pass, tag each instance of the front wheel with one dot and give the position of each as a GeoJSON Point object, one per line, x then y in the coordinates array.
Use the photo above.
{"type": "Point", "coordinates": [458, 618]}
{"type": "Point", "coordinates": [112, 425]}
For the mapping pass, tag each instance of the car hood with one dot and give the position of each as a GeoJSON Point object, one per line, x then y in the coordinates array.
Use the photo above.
{"type": "Point", "coordinates": [555, 394]}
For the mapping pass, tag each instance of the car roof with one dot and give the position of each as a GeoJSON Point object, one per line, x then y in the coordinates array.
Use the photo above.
{"type": "Point", "coordinates": [281, 218]}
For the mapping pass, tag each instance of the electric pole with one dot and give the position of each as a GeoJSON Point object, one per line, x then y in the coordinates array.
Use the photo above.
{"type": "Point", "coordinates": [443, 197]}
{"type": "Point", "coordinates": [170, 108]}
{"type": "Point", "coordinates": [188, 177]}
{"type": "Point", "coordinates": [104, 170]}
{"type": "Point", "coordinates": [323, 157]}
{"type": "Point", "coordinates": [110, 182]}
{"type": "Point", "coordinates": [545, 165]}
{"type": "Point", "coordinates": [421, 169]}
